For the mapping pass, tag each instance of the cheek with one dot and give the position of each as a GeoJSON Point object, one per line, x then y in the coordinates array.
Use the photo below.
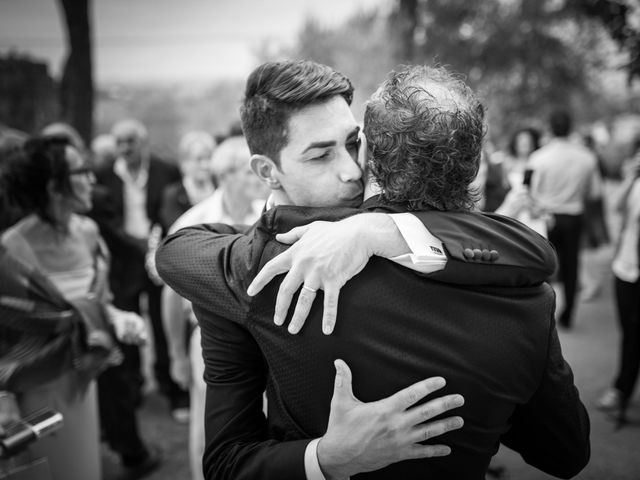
{"type": "Point", "coordinates": [81, 188]}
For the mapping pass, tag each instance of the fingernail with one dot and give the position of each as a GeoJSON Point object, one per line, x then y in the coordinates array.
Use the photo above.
{"type": "Point", "coordinates": [458, 400]}
{"type": "Point", "coordinates": [458, 422]}
{"type": "Point", "coordinates": [292, 329]}
{"type": "Point", "coordinates": [278, 320]}
{"type": "Point", "coordinates": [250, 291]}
{"type": "Point", "coordinates": [327, 329]}
{"type": "Point", "coordinates": [440, 382]}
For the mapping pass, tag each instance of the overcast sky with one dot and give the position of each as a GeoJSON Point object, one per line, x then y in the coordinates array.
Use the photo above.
{"type": "Point", "coordinates": [139, 40]}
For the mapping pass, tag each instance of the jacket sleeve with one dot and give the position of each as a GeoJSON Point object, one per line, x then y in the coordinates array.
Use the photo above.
{"type": "Point", "coordinates": [237, 442]}
{"type": "Point", "coordinates": [551, 431]}
{"type": "Point", "coordinates": [209, 265]}
{"type": "Point", "coordinates": [489, 249]}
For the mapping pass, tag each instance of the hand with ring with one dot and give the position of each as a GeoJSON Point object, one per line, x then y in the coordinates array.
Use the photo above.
{"type": "Point", "coordinates": [324, 256]}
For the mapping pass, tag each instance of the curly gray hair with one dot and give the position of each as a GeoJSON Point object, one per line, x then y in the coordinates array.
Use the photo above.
{"type": "Point", "coordinates": [425, 129]}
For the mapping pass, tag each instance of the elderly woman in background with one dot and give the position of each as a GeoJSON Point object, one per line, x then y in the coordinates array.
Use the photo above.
{"type": "Point", "coordinates": [195, 152]}
{"type": "Point", "coordinates": [239, 200]}
{"type": "Point", "coordinates": [53, 185]}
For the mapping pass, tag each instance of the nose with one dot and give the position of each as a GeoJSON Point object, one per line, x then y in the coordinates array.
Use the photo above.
{"type": "Point", "coordinates": [349, 170]}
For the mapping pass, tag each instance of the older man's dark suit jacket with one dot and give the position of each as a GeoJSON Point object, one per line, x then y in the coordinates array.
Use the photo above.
{"type": "Point", "coordinates": [493, 339]}
{"type": "Point", "coordinates": [128, 276]}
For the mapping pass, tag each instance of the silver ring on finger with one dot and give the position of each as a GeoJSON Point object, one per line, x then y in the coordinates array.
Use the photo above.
{"type": "Point", "coordinates": [309, 289]}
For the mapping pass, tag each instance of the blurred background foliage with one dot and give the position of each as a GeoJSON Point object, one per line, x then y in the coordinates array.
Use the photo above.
{"type": "Point", "coordinates": [524, 57]}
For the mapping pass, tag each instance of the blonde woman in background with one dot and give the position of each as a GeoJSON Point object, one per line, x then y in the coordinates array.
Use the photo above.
{"type": "Point", "coordinates": [239, 200]}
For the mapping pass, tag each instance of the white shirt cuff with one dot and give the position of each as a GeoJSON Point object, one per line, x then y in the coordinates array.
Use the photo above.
{"type": "Point", "coordinates": [311, 464]}
{"type": "Point", "coordinates": [427, 252]}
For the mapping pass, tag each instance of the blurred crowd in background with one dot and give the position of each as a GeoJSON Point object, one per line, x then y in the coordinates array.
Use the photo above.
{"type": "Point", "coordinates": [88, 211]}
{"type": "Point", "coordinates": [90, 218]}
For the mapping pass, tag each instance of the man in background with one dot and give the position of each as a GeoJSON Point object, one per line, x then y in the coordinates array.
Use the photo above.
{"type": "Point", "coordinates": [564, 177]}
{"type": "Point", "coordinates": [125, 206]}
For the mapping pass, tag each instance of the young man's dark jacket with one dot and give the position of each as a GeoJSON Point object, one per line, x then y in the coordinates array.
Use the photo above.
{"type": "Point", "coordinates": [485, 324]}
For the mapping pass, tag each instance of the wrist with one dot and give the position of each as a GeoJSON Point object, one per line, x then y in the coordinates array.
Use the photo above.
{"type": "Point", "coordinates": [330, 465]}
{"type": "Point", "coordinates": [382, 236]}
{"type": "Point", "coordinates": [112, 312]}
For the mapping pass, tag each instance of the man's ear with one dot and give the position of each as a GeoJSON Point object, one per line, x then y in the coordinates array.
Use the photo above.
{"type": "Point", "coordinates": [266, 170]}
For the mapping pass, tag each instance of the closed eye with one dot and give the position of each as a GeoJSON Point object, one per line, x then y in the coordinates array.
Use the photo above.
{"type": "Point", "coordinates": [324, 156]}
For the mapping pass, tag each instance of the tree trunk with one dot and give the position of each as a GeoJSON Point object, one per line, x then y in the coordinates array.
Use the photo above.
{"type": "Point", "coordinates": [76, 86]}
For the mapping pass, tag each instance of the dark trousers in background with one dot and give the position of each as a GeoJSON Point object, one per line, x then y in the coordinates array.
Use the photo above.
{"type": "Point", "coordinates": [117, 407]}
{"type": "Point", "coordinates": [120, 394]}
{"type": "Point", "coordinates": [178, 398]}
{"type": "Point", "coordinates": [133, 375]}
{"type": "Point", "coordinates": [628, 304]}
{"type": "Point", "coordinates": [120, 387]}
{"type": "Point", "coordinates": [565, 237]}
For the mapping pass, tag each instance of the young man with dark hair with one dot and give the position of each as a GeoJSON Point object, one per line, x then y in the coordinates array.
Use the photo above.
{"type": "Point", "coordinates": [393, 322]}
{"type": "Point", "coordinates": [273, 93]}
{"type": "Point", "coordinates": [282, 155]}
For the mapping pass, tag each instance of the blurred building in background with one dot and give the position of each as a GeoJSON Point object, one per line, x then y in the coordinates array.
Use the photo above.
{"type": "Point", "coordinates": [28, 99]}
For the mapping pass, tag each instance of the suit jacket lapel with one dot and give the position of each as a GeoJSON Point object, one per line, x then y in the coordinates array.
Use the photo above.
{"type": "Point", "coordinates": [116, 189]}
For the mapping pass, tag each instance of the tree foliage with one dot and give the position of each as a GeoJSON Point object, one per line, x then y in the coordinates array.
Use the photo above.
{"type": "Point", "coordinates": [622, 20]}
{"type": "Point", "coordinates": [524, 57]}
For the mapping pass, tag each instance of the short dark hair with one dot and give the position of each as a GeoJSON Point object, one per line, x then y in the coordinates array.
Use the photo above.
{"type": "Point", "coordinates": [29, 170]}
{"type": "Point", "coordinates": [560, 123]}
{"type": "Point", "coordinates": [532, 132]}
{"type": "Point", "coordinates": [425, 130]}
{"type": "Point", "coordinates": [275, 90]}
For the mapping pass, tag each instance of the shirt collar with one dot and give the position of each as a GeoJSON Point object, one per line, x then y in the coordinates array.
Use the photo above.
{"type": "Point", "coordinates": [120, 168]}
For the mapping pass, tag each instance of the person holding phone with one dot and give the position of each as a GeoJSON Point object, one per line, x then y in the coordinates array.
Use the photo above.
{"type": "Point", "coordinates": [518, 202]}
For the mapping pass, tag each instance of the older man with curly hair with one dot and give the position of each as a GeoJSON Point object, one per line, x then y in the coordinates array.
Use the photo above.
{"type": "Point", "coordinates": [425, 129]}
{"type": "Point", "coordinates": [482, 319]}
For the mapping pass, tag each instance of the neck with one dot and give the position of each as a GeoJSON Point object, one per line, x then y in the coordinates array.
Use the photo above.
{"type": "Point", "coordinates": [134, 166]}
{"type": "Point", "coordinates": [280, 197]}
{"type": "Point", "coordinates": [371, 188]}
{"type": "Point", "coordinates": [236, 206]}
{"type": "Point", "coordinates": [200, 183]}
{"type": "Point", "coordinates": [59, 215]}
